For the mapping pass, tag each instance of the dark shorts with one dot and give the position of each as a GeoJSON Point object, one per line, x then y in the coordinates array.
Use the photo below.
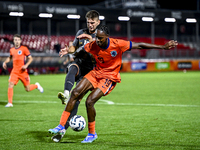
{"type": "Point", "coordinates": [82, 70]}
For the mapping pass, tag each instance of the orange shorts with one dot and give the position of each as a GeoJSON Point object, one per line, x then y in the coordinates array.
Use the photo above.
{"type": "Point", "coordinates": [105, 85]}
{"type": "Point", "coordinates": [24, 77]}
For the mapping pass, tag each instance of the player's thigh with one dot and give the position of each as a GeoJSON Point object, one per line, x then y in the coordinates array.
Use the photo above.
{"type": "Point", "coordinates": [81, 88]}
{"type": "Point", "coordinates": [13, 79]}
{"type": "Point", "coordinates": [93, 97]}
{"type": "Point", "coordinates": [24, 77]}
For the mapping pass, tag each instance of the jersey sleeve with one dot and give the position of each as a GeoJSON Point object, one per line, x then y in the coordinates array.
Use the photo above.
{"type": "Point", "coordinates": [87, 47]}
{"type": "Point", "coordinates": [10, 52]}
{"type": "Point", "coordinates": [125, 45]}
{"type": "Point", "coordinates": [76, 40]}
{"type": "Point", "coordinates": [90, 47]}
{"type": "Point", "coordinates": [26, 51]}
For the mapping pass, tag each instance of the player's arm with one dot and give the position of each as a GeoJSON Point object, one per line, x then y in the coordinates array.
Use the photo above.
{"type": "Point", "coordinates": [8, 59]}
{"type": "Point", "coordinates": [30, 59]}
{"type": "Point", "coordinates": [168, 45]}
{"type": "Point", "coordinates": [85, 36]}
{"type": "Point", "coordinates": [72, 48]}
{"type": "Point", "coordinates": [67, 50]}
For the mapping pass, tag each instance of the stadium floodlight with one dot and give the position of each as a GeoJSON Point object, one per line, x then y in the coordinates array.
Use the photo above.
{"type": "Point", "coordinates": [45, 15]}
{"type": "Point", "coordinates": [73, 16]}
{"type": "Point", "coordinates": [17, 14]}
{"type": "Point", "coordinates": [170, 20]}
{"type": "Point", "coordinates": [123, 18]}
{"type": "Point", "coordinates": [147, 19]}
{"type": "Point", "coordinates": [101, 17]}
{"type": "Point", "coordinates": [191, 20]}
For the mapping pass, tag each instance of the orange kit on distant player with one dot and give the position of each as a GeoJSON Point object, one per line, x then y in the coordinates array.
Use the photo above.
{"type": "Point", "coordinates": [19, 58]}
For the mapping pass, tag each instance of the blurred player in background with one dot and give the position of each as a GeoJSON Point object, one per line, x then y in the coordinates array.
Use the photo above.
{"type": "Point", "coordinates": [82, 64]}
{"type": "Point", "coordinates": [19, 72]}
{"type": "Point", "coordinates": [104, 77]}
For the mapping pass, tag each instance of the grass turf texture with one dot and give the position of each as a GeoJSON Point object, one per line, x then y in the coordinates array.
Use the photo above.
{"type": "Point", "coordinates": [150, 111]}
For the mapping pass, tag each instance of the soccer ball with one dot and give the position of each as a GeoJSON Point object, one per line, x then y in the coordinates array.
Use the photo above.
{"type": "Point", "coordinates": [77, 123]}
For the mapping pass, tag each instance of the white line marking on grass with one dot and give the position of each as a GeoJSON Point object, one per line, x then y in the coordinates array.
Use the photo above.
{"type": "Point", "coordinates": [101, 101]}
{"type": "Point", "coordinates": [161, 105]}
{"type": "Point", "coordinates": [32, 102]}
{"type": "Point", "coordinates": [107, 102]}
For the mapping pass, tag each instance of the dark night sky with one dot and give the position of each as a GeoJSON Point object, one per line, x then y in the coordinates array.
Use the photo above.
{"type": "Point", "coordinates": [164, 4]}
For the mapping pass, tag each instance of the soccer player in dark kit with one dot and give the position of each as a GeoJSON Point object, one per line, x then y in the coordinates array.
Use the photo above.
{"type": "Point", "coordinates": [82, 64]}
{"type": "Point", "coordinates": [104, 77]}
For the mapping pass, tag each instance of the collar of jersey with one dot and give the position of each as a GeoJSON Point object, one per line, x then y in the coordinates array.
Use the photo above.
{"type": "Point", "coordinates": [18, 47]}
{"type": "Point", "coordinates": [108, 44]}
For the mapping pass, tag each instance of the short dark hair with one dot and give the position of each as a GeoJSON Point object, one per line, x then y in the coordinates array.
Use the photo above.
{"type": "Point", "coordinates": [92, 14]}
{"type": "Point", "coordinates": [104, 28]}
{"type": "Point", "coordinates": [17, 35]}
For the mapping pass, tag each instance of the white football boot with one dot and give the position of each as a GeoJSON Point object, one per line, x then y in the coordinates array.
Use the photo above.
{"type": "Point", "coordinates": [64, 97]}
{"type": "Point", "coordinates": [9, 105]}
{"type": "Point", "coordinates": [40, 88]}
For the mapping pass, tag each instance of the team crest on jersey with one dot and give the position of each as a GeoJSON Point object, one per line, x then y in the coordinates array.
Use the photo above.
{"type": "Point", "coordinates": [113, 53]}
{"type": "Point", "coordinates": [19, 52]}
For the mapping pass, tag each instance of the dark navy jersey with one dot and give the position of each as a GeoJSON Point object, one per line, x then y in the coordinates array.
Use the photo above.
{"type": "Point", "coordinates": [84, 59]}
{"type": "Point", "coordinates": [81, 42]}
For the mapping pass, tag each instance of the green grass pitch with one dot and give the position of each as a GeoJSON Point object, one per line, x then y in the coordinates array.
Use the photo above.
{"type": "Point", "coordinates": [145, 111]}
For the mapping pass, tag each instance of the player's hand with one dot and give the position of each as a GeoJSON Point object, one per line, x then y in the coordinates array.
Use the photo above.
{"type": "Point", "coordinates": [170, 44]}
{"type": "Point", "coordinates": [24, 67]}
{"type": "Point", "coordinates": [85, 36]}
{"type": "Point", "coordinates": [4, 65]}
{"type": "Point", "coordinates": [64, 51]}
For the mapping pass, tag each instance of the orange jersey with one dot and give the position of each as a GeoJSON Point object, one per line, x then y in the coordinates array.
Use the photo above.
{"type": "Point", "coordinates": [108, 60]}
{"type": "Point", "coordinates": [19, 57]}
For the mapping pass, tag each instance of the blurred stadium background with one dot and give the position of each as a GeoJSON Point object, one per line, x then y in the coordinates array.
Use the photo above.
{"type": "Point", "coordinates": [47, 27]}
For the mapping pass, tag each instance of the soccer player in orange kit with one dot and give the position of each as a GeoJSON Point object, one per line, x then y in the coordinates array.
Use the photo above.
{"type": "Point", "coordinates": [19, 72]}
{"type": "Point", "coordinates": [104, 77]}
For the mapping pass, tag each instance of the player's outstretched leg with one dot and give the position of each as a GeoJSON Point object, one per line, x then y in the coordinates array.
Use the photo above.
{"type": "Point", "coordinates": [69, 83]}
{"type": "Point", "coordinates": [77, 94]}
{"type": "Point", "coordinates": [58, 136]}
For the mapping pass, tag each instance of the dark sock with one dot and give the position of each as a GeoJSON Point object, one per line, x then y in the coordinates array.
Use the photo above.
{"type": "Point", "coordinates": [74, 112]}
{"type": "Point", "coordinates": [70, 78]}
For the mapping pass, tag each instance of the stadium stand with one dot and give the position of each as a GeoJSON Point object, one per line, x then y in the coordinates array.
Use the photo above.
{"type": "Point", "coordinates": [39, 43]}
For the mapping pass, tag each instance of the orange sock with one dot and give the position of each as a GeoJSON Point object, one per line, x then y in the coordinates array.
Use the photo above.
{"type": "Point", "coordinates": [10, 95]}
{"type": "Point", "coordinates": [33, 86]}
{"type": "Point", "coordinates": [64, 118]}
{"type": "Point", "coordinates": [91, 127]}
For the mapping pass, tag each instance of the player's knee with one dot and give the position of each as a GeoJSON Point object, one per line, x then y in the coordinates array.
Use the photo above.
{"type": "Point", "coordinates": [75, 94]}
{"type": "Point", "coordinates": [10, 85]}
{"type": "Point", "coordinates": [27, 89]}
{"type": "Point", "coordinates": [89, 103]}
{"type": "Point", "coordinates": [73, 69]}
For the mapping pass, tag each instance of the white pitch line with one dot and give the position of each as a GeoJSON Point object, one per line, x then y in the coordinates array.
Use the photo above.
{"type": "Point", "coordinates": [107, 102]}
{"type": "Point", "coordinates": [103, 101]}
{"type": "Point", "coordinates": [161, 105]}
